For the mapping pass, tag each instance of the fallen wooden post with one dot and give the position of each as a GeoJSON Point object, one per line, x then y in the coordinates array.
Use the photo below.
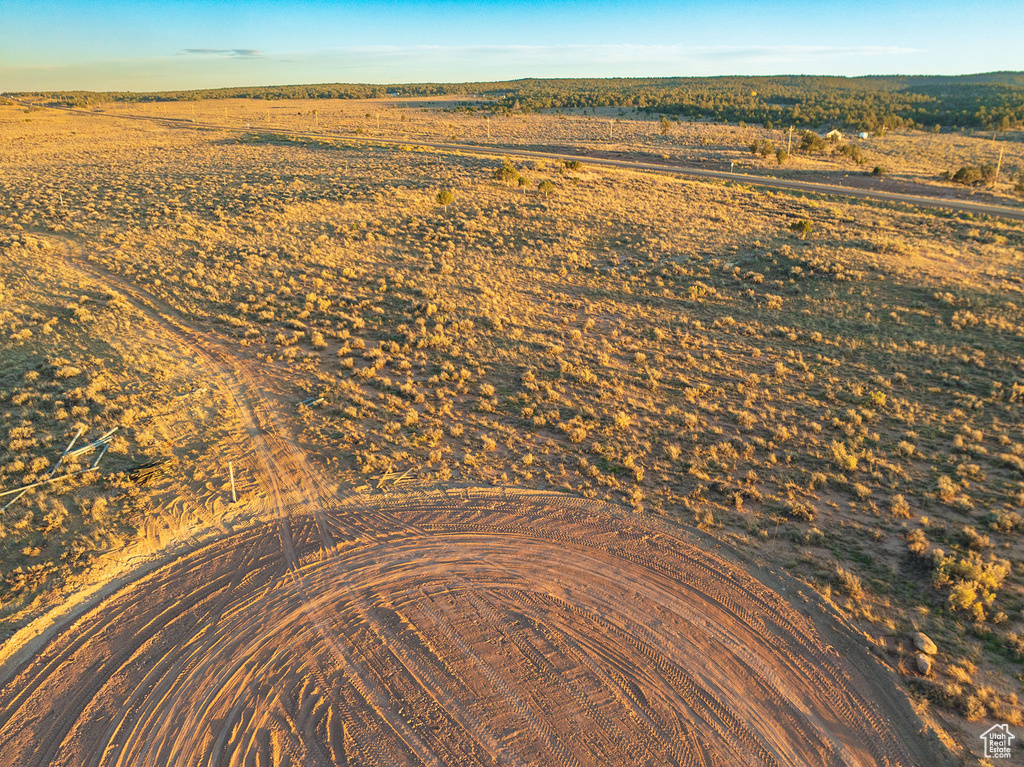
{"type": "Point", "coordinates": [45, 482]}
{"type": "Point", "coordinates": [404, 477]}
{"type": "Point", "coordinates": [89, 448]}
{"type": "Point", "coordinates": [61, 459]}
{"type": "Point", "coordinates": [140, 475]}
{"type": "Point", "coordinates": [105, 439]}
{"type": "Point", "coordinates": [384, 478]}
{"type": "Point", "coordinates": [99, 458]}
{"type": "Point", "coordinates": [13, 500]}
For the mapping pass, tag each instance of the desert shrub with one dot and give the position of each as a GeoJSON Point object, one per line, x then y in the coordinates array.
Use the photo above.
{"type": "Point", "coordinates": [971, 175]}
{"type": "Point", "coordinates": [507, 173]}
{"type": "Point", "coordinates": [853, 152]}
{"type": "Point", "coordinates": [947, 489]}
{"type": "Point", "coordinates": [862, 491]}
{"type": "Point", "coordinates": [818, 479]}
{"type": "Point", "coordinates": [622, 420]}
{"type": "Point", "coordinates": [812, 142]}
{"type": "Point", "coordinates": [972, 708]}
{"type": "Point", "coordinates": [917, 542]}
{"type": "Point", "coordinates": [974, 540]}
{"type": "Point", "coordinates": [746, 420]}
{"type": "Point", "coordinates": [698, 291]}
{"type": "Point", "coordinates": [971, 580]}
{"type": "Point", "coordinates": [763, 147]}
{"type": "Point", "coordinates": [1005, 522]}
{"type": "Point", "coordinates": [849, 584]}
{"type": "Point", "coordinates": [1014, 646]}
{"type": "Point", "coordinates": [798, 510]}
{"type": "Point", "coordinates": [842, 456]}
{"type": "Point", "coordinates": [802, 227]}
{"type": "Point", "coordinates": [1013, 461]}
{"type": "Point", "coordinates": [445, 198]}
{"type": "Point", "coordinates": [899, 507]}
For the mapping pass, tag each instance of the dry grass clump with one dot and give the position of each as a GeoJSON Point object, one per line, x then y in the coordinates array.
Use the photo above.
{"type": "Point", "coordinates": [845, 400]}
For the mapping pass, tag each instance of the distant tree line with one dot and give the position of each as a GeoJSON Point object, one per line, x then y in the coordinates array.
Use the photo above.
{"type": "Point", "coordinates": [865, 103]}
{"type": "Point", "coordinates": [993, 101]}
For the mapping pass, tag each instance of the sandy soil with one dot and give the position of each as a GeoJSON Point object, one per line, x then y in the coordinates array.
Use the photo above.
{"type": "Point", "coordinates": [447, 628]}
{"type": "Point", "coordinates": [443, 626]}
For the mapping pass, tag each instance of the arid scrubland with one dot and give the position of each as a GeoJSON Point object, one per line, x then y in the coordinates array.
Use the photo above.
{"type": "Point", "coordinates": [843, 404]}
{"type": "Point", "coordinates": [912, 161]}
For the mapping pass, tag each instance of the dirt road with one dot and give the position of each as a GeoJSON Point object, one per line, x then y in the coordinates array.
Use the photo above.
{"type": "Point", "coordinates": [444, 626]}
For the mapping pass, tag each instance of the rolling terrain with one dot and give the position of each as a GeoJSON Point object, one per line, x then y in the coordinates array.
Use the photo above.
{"type": "Point", "coordinates": [468, 626]}
{"type": "Point", "coordinates": [537, 461]}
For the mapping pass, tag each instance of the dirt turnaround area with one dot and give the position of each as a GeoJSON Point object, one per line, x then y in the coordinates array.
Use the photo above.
{"type": "Point", "coordinates": [468, 627]}
{"type": "Point", "coordinates": [445, 626]}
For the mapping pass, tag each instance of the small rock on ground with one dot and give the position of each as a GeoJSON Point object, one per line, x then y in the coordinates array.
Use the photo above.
{"type": "Point", "coordinates": [924, 644]}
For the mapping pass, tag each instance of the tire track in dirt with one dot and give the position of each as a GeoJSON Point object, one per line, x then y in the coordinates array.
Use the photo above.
{"type": "Point", "coordinates": [628, 675]}
{"type": "Point", "coordinates": [464, 627]}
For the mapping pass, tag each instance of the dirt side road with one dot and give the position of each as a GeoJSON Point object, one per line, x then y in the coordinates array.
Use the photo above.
{"type": "Point", "coordinates": [443, 627]}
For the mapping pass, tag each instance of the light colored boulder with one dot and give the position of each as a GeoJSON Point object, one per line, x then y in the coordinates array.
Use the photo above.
{"type": "Point", "coordinates": [924, 644]}
{"type": "Point", "coordinates": [924, 664]}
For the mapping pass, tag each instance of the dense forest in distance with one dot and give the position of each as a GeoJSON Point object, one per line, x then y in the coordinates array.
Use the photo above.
{"type": "Point", "coordinates": [993, 101]}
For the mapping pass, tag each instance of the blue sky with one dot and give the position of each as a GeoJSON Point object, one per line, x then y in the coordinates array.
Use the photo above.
{"type": "Point", "coordinates": [103, 45]}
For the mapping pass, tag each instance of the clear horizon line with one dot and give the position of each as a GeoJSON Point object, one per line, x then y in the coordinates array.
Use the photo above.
{"type": "Point", "coordinates": [519, 79]}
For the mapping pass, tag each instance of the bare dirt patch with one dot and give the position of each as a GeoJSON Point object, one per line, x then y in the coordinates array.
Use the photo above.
{"type": "Point", "coordinates": [463, 627]}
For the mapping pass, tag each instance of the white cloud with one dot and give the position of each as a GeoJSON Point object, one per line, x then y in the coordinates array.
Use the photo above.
{"type": "Point", "coordinates": [243, 52]}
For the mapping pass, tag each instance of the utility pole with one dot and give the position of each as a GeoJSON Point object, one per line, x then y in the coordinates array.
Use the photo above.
{"type": "Point", "coordinates": [789, 146]}
{"type": "Point", "coordinates": [999, 164]}
{"type": "Point", "coordinates": [609, 129]}
{"type": "Point", "coordinates": [231, 471]}
{"type": "Point", "coordinates": [378, 122]}
{"type": "Point", "coordinates": [487, 120]}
